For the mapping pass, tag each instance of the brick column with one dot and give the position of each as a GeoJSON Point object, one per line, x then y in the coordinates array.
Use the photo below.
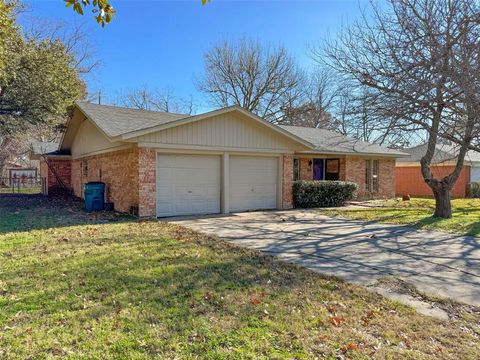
{"type": "Point", "coordinates": [306, 170]}
{"type": "Point", "coordinates": [287, 182]}
{"type": "Point", "coordinates": [146, 182]}
{"type": "Point", "coordinates": [386, 178]}
{"type": "Point", "coordinates": [341, 172]}
{"type": "Point", "coordinates": [63, 171]}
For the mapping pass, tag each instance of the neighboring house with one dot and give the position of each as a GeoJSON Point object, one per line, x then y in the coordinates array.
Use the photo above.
{"type": "Point", "coordinates": [164, 164]}
{"type": "Point", "coordinates": [18, 170]}
{"type": "Point", "coordinates": [409, 176]}
{"type": "Point", "coordinates": [473, 157]}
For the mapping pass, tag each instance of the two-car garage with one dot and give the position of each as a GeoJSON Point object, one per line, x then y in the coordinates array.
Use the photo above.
{"type": "Point", "coordinates": [209, 184]}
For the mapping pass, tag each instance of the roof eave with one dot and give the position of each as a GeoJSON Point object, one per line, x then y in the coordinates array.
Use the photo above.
{"type": "Point", "coordinates": [347, 153]}
{"type": "Point", "coordinates": [85, 113]}
{"type": "Point", "coordinates": [86, 116]}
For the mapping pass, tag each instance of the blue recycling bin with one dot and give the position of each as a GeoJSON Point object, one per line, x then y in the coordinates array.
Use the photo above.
{"type": "Point", "coordinates": [94, 196]}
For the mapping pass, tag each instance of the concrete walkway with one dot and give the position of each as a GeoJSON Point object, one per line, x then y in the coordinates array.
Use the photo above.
{"type": "Point", "coordinates": [360, 252]}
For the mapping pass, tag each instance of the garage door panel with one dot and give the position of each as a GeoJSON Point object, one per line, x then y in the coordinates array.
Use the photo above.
{"type": "Point", "coordinates": [188, 184]}
{"type": "Point", "coordinates": [253, 183]}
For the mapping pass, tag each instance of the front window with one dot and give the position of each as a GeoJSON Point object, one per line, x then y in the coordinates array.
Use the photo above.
{"type": "Point", "coordinates": [371, 175]}
{"type": "Point", "coordinates": [332, 169]}
{"type": "Point", "coordinates": [368, 175]}
{"type": "Point", "coordinates": [296, 169]}
{"type": "Point", "coordinates": [375, 176]}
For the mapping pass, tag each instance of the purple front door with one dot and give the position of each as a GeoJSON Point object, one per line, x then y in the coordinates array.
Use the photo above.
{"type": "Point", "coordinates": [318, 165]}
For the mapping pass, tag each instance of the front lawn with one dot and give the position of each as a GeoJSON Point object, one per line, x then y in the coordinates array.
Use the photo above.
{"type": "Point", "coordinates": [418, 213]}
{"type": "Point", "coordinates": [74, 285]}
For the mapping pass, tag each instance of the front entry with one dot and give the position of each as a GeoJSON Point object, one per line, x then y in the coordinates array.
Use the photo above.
{"type": "Point", "coordinates": [318, 169]}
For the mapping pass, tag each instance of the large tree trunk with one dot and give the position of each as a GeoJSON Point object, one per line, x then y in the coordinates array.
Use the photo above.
{"type": "Point", "coordinates": [443, 205]}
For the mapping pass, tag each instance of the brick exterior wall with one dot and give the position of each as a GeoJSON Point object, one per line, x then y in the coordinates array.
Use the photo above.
{"type": "Point", "coordinates": [147, 161]}
{"type": "Point", "coordinates": [306, 170]}
{"type": "Point", "coordinates": [410, 181]}
{"type": "Point", "coordinates": [342, 169]}
{"type": "Point", "coordinates": [353, 169]}
{"type": "Point", "coordinates": [287, 182]}
{"type": "Point", "coordinates": [118, 170]}
{"type": "Point", "coordinates": [355, 172]}
{"type": "Point", "coordinates": [63, 171]}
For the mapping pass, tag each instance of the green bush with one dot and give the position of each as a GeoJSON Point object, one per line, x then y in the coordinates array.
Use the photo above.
{"type": "Point", "coordinates": [322, 193]}
{"type": "Point", "coordinates": [475, 189]}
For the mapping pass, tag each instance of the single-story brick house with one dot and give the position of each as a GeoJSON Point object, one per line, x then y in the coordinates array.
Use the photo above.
{"type": "Point", "coordinates": [227, 160]}
{"type": "Point", "coordinates": [409, 175]}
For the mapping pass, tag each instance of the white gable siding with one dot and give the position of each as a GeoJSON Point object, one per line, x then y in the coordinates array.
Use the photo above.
{"type": "Point", "coordinates": [90, 140]}
{"type": "Point", "coordinates": [223, 131]}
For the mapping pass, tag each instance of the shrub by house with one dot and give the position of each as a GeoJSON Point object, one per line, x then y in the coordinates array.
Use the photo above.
{"type": "Point", "coordinates": [307, 194]}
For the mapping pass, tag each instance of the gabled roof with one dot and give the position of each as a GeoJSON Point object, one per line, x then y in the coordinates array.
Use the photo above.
{"type": "Point", "coordinates": [115, 121]}
{"type": "Point", "coordinates": [119, 123]}
{"type": "Point", "coordinates": [443, 152]}
{"type": "Point", "coordinates": [125, 124]}
{"type": "Point", "coordinates": [327, 141]}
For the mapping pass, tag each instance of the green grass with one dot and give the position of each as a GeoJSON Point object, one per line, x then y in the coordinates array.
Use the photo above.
{"type": "Point", "coordinates": [418, 213]}
{"type": "Point", "coordinates": [36, 189]}
{"type": "Point", "coordinates": [77, 285]}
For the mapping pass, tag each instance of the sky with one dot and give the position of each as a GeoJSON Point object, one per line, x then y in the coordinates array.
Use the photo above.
{"type": "Point", "coordinates": [160, 44]}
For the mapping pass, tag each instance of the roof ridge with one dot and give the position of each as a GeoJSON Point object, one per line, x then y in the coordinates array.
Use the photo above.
{"type": "Point", "coordinates": [129, 108]}
{"type": "Point", "coordinates": [348, 137]}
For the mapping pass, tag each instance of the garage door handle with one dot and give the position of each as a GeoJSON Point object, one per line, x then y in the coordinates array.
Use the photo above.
{"type": "Point", "coordinates": [251, 189]}
{"type": "Point", "coordinates": [189, 191]}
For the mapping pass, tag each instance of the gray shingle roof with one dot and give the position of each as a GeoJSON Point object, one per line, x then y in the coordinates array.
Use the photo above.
{"type": "Point", "coordinates": [330, 141]}
{"type": "Point", "coordinates": [40, 148]}
{"type": "Point", "coordinates": [473, 156]}
{"type": "Point", "coordinates": [443, 152]}
{"type": "Point", "coordinates": [115, 121]}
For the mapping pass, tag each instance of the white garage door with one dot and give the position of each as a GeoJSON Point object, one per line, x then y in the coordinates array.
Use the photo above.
{"type": "Point", "coordinates": [253, 183]}
{"type": "Point", "coordinates": [188, 184]}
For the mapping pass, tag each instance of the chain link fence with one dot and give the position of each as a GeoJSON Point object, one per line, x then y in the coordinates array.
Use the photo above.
{"type": "Point", "coordinates": [23, 185]}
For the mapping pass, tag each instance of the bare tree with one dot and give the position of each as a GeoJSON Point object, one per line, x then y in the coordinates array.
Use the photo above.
{"type": "Point", "coordinates": [260, 78]}
{"type": "Point", "coordinates": [314, 104]}
{"type": "Point", "coordinates": [420, 59]}
{"type": "Point", "coordinates": [356, 114]}
{"type": "Point", "coordinates": [75, 39]}
{"type": "Point", "coordinates": [157, 100]}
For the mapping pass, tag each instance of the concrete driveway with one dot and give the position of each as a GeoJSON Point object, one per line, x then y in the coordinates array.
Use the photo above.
{"type": "Point", "coordinates": [360, 252]}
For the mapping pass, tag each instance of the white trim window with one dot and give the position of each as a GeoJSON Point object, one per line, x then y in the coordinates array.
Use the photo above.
{"type": "Point", "coordinates": [296, 169]}
{"type": "Point", "coordinates": [375, 173]}
{"type": "Point", "coordinates": [372, 175]}
{"type": "Point", "coordinates": [368, 175]}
